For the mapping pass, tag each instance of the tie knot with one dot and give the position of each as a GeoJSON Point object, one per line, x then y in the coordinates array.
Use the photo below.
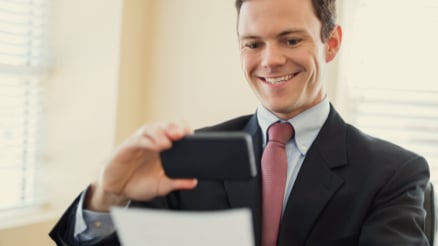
{"type": "Point", "coordinates": [280, 132]}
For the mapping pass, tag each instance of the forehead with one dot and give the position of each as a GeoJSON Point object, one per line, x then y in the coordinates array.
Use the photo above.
{"type": "Point", "coordinates": [260, 17]}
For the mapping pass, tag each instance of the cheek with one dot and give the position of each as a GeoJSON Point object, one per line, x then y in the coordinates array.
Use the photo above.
{"type": "Point", "coordinates": [311, 61]}
{"type": "Point", "coordinates": [319, 63]}
{"type": "Point", "coordinates": [244, 65]}
{"type": "Point", "coordinates": [248, 63]}
{"type": "Point", "coordinates": [302, 58]}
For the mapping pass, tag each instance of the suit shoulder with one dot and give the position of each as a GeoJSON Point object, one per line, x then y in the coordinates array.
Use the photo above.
{"type": "Point", "coordinates": [374, 147]}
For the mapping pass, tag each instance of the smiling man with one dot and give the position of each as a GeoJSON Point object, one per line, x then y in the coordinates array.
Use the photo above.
{"type": "Point", "coordinates": [339, 186]}
{"type": "Point", "coordinates": [283, 54]}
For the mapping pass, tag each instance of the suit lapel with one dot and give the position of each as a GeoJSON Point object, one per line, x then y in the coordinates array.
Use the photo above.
{"type": "Point", "coordinates": [316, 182]}
{"type": "Point", "coordinates": [247, 193]}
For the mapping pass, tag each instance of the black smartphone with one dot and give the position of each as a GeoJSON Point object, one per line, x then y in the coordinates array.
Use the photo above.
{"type": "Point", "coordinates": [211, 156]}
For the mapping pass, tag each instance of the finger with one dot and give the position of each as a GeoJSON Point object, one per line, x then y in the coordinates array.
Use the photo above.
{"type": "Point", "coordinates": [188, 130]}
{"type": "Point", "coordinates": [177, 130]}
{"type": "Point", "coordinates": [184, 184]}
{"type": "Point", "coordinates": [147, 143]}
{"type": "Point", "coordinates": [170, 185]}
{"type": "Point", "coordinates": [156, 135]}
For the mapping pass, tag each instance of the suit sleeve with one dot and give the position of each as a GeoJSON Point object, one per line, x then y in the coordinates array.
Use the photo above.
{"type": "Point", "coordinates": [62, 232]}
{"type": "Point", "coordinates": [397, 215]}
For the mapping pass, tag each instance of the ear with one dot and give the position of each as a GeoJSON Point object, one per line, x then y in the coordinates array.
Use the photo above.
{"type": "Point", "coordinates": [333, 43]}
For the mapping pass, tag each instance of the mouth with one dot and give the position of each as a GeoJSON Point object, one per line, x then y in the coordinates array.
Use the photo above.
{"type": "Point", "coordinates": [280, 79]}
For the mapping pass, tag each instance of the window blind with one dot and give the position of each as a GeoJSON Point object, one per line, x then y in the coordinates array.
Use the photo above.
{"type": "Point", "coordinates": [23, 63]}
{"type": "Point", "coordinates": [391, 73]}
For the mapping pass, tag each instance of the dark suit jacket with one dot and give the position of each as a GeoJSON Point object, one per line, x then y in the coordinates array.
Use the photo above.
{"type": "Point", "coordinates": [352, 189]}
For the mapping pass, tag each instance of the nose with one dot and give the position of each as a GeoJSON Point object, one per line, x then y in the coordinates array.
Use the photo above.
{"type": "Point", "coordinates": [272, 56]}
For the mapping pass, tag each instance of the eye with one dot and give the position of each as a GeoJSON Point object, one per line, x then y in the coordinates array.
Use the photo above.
{"type": "Point", "coordinates": [292, 41]}
{"type": "Point", "coordinates": [252, 45]}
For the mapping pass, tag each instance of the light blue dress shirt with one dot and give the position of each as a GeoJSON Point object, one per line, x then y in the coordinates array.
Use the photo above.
{"type": "Point", "coordinates": [93, 226]}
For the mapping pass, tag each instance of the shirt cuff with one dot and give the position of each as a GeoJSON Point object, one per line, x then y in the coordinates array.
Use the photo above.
{"type": "Point", "coordinates": [90, 225]}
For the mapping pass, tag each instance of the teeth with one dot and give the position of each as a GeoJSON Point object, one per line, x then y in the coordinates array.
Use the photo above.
{"type": "Point", "coordinates": [278, 79]}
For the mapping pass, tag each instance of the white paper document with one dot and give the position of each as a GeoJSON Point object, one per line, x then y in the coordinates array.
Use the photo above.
{"type": "Point", "coordinates": [151, 227]}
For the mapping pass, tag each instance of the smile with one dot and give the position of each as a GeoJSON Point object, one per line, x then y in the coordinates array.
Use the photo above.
{"type": "Point", "coordinates": [278, 80]}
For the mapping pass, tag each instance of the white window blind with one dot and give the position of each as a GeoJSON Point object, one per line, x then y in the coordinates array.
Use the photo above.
{"type": "Point", "coordinates": [391, 71]}
{"type": "Point", "coordinates": [23, 62]}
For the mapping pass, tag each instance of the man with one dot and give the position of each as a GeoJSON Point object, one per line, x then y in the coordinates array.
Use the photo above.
{"type": "Point", "coordinates": [342, 187]}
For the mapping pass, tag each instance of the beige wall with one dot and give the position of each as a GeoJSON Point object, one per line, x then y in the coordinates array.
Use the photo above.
{"type": "Point", "coordinates": [134, 69]}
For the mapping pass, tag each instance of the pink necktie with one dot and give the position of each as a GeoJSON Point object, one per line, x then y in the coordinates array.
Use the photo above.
{"type": "Point", "coordinates": [274, 168]}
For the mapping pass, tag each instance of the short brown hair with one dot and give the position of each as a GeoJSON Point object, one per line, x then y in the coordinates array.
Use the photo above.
{"type": "Point", "coordinates": [325, 10]}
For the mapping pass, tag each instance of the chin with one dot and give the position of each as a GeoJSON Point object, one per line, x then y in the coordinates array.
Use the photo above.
{"type": "Point", "coordinates": [279, 110]}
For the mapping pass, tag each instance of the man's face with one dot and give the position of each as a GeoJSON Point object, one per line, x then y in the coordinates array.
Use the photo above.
{"type": "Point", "coordinates": [283, 56]}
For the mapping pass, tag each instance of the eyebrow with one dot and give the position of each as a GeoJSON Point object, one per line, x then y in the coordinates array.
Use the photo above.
{"type": "Point", "coordinates": [282, 34]}
{"type": "Point", "coordinates": [291, 31]}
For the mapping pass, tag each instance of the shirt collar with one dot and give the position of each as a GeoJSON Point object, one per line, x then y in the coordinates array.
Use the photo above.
{"type": "Point", "coordinates": [306, 124]}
